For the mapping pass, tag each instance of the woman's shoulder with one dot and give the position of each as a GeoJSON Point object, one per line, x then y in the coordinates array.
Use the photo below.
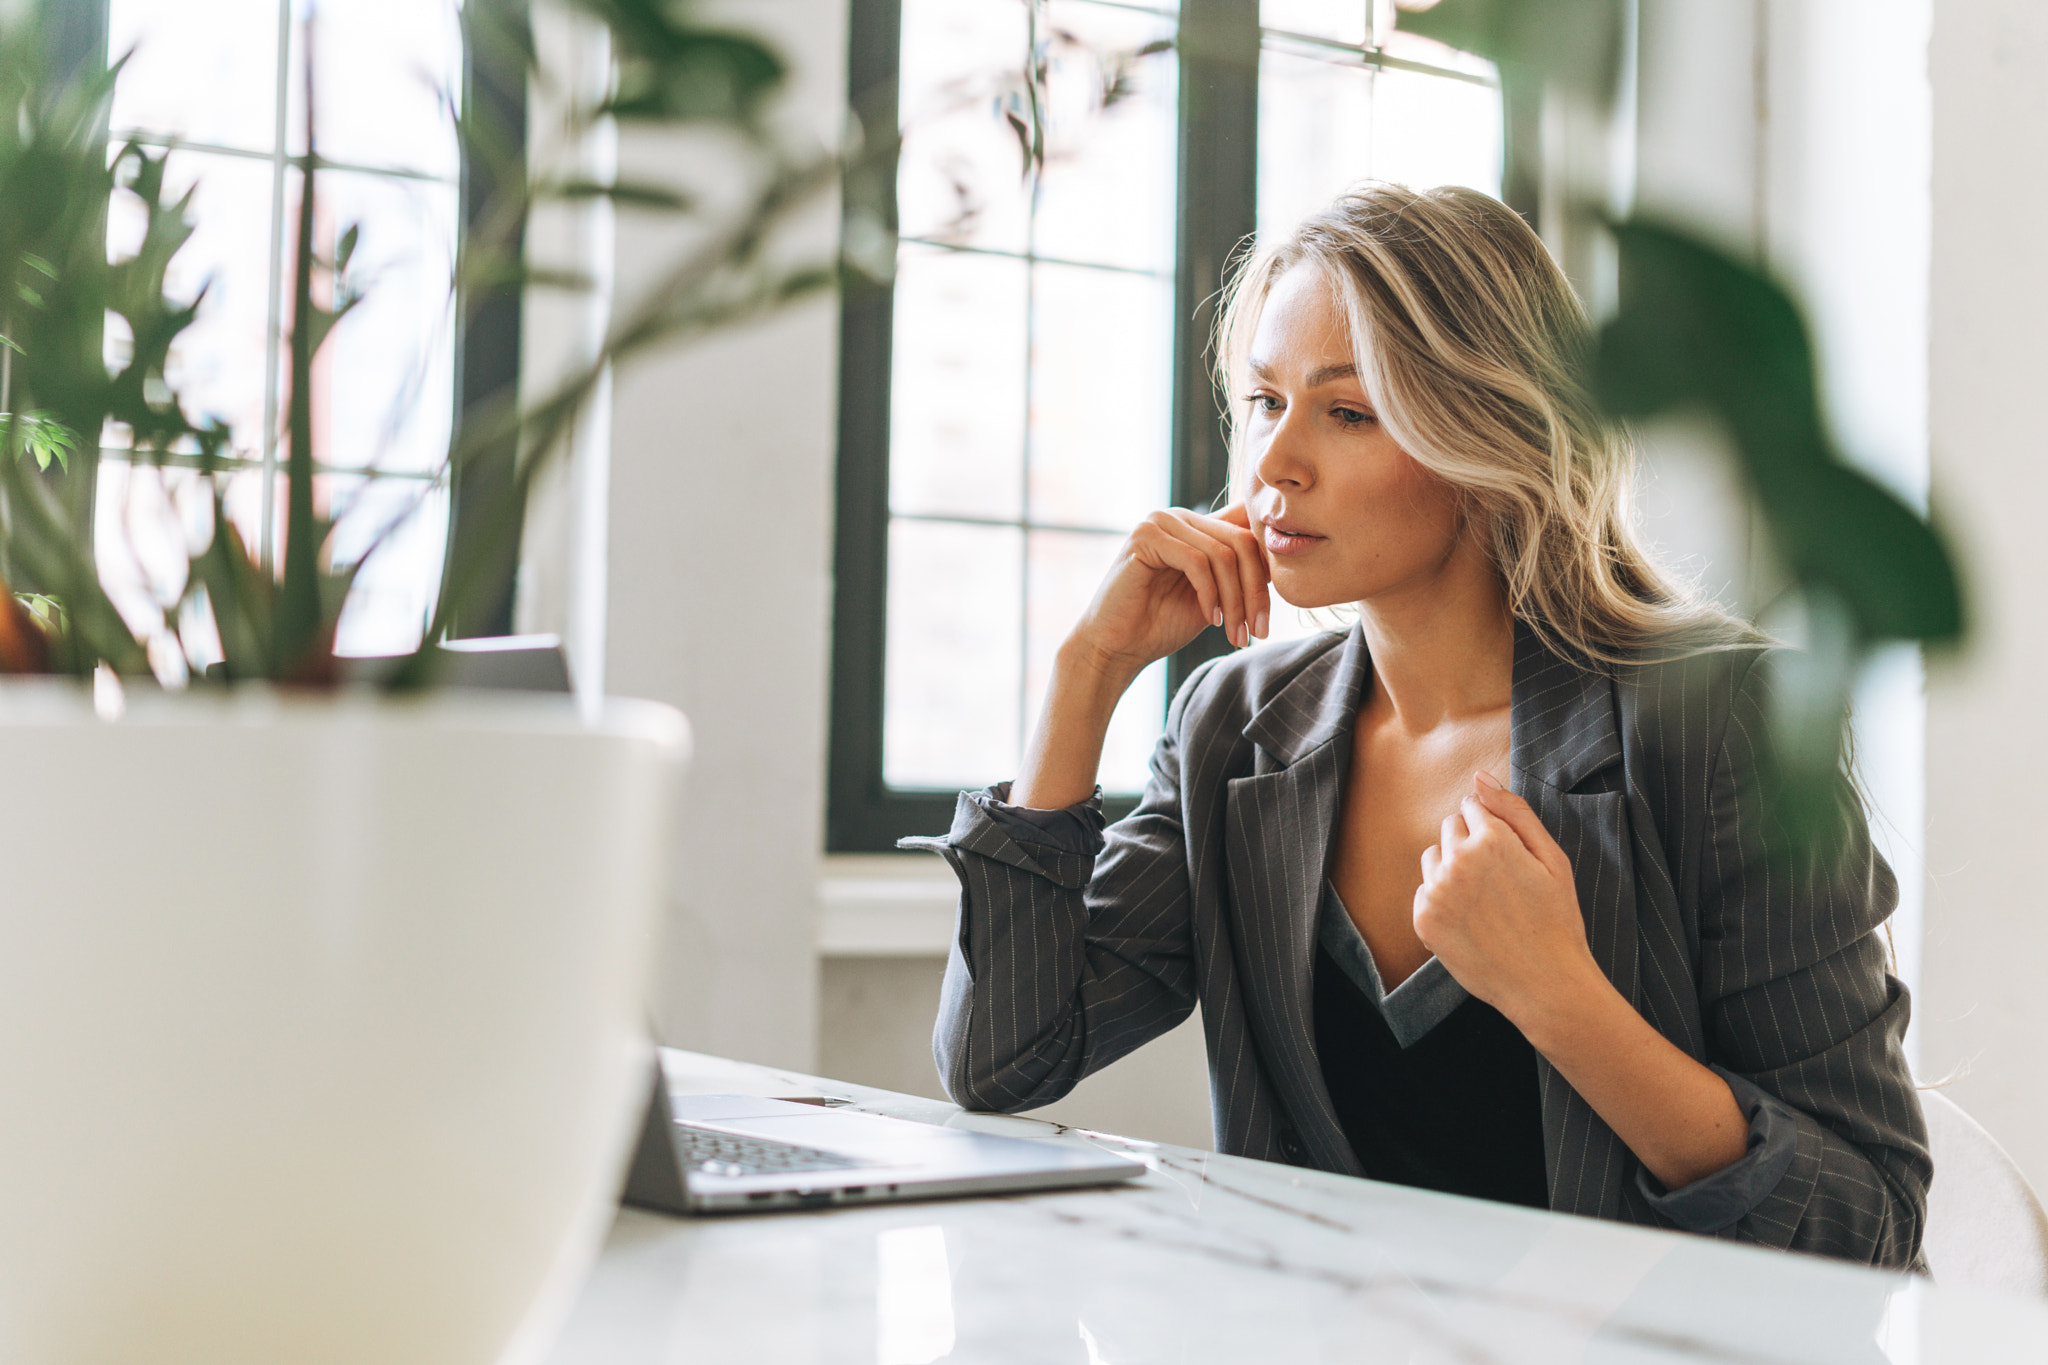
{"type": "Point", "coordinates": [1716, 672]}
{"type": "Point", "coordinates": [1678, 708]}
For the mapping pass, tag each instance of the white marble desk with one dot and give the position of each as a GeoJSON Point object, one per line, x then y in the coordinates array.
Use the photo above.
{"type": "Point", "coordinates": [1219, 1259]}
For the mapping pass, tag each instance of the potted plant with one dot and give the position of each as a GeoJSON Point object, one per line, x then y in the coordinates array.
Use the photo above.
{"type": "Point", "coordinates": [323, 1005]}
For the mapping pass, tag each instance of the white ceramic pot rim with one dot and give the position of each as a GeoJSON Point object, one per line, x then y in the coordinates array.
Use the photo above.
{"type": "Point", "coordinates": [65, 702]}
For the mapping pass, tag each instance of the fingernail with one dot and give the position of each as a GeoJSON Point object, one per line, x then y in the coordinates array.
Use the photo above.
{"type": "Point", "coordinates": [1244, 636]}
{"type": "Point", "coordinates": [1216, 617]}
{"type": "Point", "coordinates": [1486, 779]}
{"type": "Point", "coordinates": [1263, 626]}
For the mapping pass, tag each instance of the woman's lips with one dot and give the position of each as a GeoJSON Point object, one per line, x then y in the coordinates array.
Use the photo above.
{"type": "Point", "coordinates": [1282, 539]}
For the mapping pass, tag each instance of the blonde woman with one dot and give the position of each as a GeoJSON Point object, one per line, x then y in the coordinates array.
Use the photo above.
{"type": "Point", "coordinates": [1478, 896]}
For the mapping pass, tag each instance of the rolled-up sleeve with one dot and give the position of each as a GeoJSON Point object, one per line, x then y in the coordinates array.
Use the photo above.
{"type": "Point", "coordinates": [1732, 1193]}
{"type": "Point", "coordinates": [1076, 829]}
{"type": "Point", "coordinates": [1073, 945]}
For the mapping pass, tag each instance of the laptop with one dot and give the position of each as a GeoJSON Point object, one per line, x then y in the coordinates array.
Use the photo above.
{"type": "Point", "coordinates": [733, 1153]}
{"type": "Point", "coordinates": [740, 1154]}
{"type": "Point", "coordinates": [511, 663]}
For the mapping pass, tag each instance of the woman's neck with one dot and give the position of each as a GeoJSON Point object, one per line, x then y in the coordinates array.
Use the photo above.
{"type": "Point", "coordinates": [1443, 650]}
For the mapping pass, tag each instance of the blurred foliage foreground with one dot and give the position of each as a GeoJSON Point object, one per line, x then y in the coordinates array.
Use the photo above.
{"type": "Point", "coordinates": [1698, 330]}
{"type": "Point", "coordinates": [85, 341]}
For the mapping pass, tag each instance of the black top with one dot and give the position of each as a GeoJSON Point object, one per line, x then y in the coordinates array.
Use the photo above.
{"type": "Point", "coordinates": [1457, 1110]}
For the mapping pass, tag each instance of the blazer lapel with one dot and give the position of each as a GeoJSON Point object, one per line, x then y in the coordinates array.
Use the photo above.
{"type": "Point", "coordinates": [1565, 760]}
{"type": "Point", "coordinates": [1278, 826]}
{"type": "Point", "coordinates": [1564, 740]}
{"type": "Point", "coordinates": [1566, 737]}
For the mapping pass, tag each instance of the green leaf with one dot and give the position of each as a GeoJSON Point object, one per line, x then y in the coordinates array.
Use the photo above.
{"type": "Point", "coordinates": [634, 193]}
{"type": "Point", "coordinates": [321, 322]}
{"type": "Point", "coordinates": [1697, 326]}
{"type": "Point", "coordinates": [1699, 329]}
{"type": "Point", "coordinates": [1575, 43]}
{"type": "Point", "coordinates": [1026, 145]}
{"type": "Point", "coordinates": [1841, 530]}
{"type": "Point", "coordinates": [670, 68]}
{"type": "Point", "coordinates": [47, 610]}
{"type": "Point", "coordinates": [40, 438]}
{"type": "Point", "coordinates": [241, 597]}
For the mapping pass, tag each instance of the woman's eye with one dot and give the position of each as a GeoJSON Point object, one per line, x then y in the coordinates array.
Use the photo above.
{"type": "Point", "coordinates": [1264, 402]}
{"type": "Point", "coordinates": [1352, 417]}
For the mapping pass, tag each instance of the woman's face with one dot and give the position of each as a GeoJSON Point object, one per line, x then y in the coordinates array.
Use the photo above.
{"type": "Point", "coordinates": [1343, 513]}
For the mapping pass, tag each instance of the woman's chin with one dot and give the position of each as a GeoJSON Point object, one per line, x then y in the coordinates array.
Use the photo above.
{"type": "Point", "coordinates": [1301, 592]}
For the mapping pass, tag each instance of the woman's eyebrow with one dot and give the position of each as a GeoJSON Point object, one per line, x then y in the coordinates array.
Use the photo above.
{"type": "Point", "coordinates": [1316, 378]}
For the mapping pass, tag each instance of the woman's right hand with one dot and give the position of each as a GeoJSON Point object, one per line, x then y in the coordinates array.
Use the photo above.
{"type": "Point", "coordinates": [1179, 572]}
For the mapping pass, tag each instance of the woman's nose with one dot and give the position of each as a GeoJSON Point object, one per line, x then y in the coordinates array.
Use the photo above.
{"type": "Point", "coordinates": [1284, 462]}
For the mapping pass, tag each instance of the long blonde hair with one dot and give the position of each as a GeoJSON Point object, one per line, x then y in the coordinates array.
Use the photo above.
{"type": "Point", "coordinates": [1469, 342]}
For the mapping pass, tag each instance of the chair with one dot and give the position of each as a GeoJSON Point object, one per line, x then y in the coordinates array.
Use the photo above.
{"type": "Point", "coordinates": [1985, 1226]}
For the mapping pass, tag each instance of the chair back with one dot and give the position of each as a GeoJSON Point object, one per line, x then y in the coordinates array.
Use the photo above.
{"type": "Point", "coordinates": [1985, 1226]}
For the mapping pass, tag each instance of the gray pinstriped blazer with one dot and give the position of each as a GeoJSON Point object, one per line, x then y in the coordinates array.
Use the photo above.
{"type": "Point", "coordinates": [1647, 777]}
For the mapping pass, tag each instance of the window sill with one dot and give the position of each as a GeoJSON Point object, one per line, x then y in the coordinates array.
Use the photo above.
{"type": "Point", "coordinates": [885, 905]}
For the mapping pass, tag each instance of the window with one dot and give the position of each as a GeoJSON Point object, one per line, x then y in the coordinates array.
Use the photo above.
{"type": "Point", "coordinates": [1036, 382]}
{"type": "Point", "coordinates": [220, 84]}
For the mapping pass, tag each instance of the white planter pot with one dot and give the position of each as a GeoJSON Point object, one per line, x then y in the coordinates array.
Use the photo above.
{"type": "Point", "coordinates": [321, 1022]}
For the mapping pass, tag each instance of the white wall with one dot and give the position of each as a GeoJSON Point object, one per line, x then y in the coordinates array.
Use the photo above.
{"type": "Point", "coordinates": [1796, 132]}
{"type": "Point", "coordinates": [720, 545]}
{"type": "Point", "coordinates": [1920, 256]}
{"type": "Point", "coordinates": [1847, 180]}
{"type": "Point", "coordinates": [562, 585]}
{"type": "Point", "coordinates": [1986, 1009]}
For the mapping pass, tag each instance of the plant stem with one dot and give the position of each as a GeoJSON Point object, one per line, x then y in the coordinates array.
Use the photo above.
{"type": "Point", "coordinates": [298, 622]}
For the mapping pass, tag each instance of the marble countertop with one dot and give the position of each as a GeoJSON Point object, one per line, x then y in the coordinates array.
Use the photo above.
{"type": "Point", "coordinates": [1218, 1259]}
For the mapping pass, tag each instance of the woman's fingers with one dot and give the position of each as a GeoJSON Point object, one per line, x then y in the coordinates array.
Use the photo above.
{"type": "Point", "coordinates": [1225, 602]}
{"type": "Point", "coordinates": [1252, 570]}
{"type": "Point", "coordinates": [1160, 539]}
{"type": "Point", "coordinates": [1225, 547]}
{"type": "Point", "coordinates": [1431, 861]}
{"type": "Point", "coordinates": [1452, 832]}
{"type": "Point", "coordinates": [1517, 814]}
{"type": "Point", "coordinates": [1238, 563]}
{"type": "Point", "coordinates": [1221, 561]}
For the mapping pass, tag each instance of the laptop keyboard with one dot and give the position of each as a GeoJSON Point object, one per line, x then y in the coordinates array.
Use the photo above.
{"type": "Point", "coordinates": [727, 1154]}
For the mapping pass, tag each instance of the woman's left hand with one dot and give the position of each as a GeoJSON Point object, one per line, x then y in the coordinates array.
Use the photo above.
{"type": "Point", "coordinates": [1498, 907]}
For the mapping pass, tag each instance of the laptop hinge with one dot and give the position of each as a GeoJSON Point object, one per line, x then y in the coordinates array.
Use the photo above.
{"type": "Point", "coordinates": [656, 1178]}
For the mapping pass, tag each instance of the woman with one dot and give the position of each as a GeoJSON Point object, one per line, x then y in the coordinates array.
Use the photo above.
{"type": "Point", "coordinates": [1480, 896]}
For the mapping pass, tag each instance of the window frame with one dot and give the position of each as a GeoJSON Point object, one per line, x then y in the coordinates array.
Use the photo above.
{"type": "Point", "coordinates": [489, 331]}
{"type": "Point", "coordinates": [1216, 196]}
{"type": "Point", "coordinates": [1219, 43]}
{"type": "Point", "coordinates": [488, 323]}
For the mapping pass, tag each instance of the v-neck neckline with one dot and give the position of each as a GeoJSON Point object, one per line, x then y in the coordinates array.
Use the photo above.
{"type": "Point", "coordinates": [1422, 1001]}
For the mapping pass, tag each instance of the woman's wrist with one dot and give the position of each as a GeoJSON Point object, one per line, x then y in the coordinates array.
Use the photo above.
{"type": "Point", "coordinates": [1570, 1014]}
{"type": "Point", "coordinates": [1678, 1117]}
{"type": "Point", "coordinates": [1090, 671]}
{"type": "Point", "coordinates": [1066, 748]}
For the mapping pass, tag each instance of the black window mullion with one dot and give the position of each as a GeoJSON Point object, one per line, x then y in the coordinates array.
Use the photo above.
{"type": "Point", "coordinates": [862, 814]}
{"type": "Point", "coordinates": [1218, 211]}
{"type": "Point", "coordinates": [487, 339]}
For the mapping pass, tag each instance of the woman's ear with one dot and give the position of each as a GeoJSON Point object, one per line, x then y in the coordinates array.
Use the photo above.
{"type": "Point", "coordinates": [1475, 524]}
